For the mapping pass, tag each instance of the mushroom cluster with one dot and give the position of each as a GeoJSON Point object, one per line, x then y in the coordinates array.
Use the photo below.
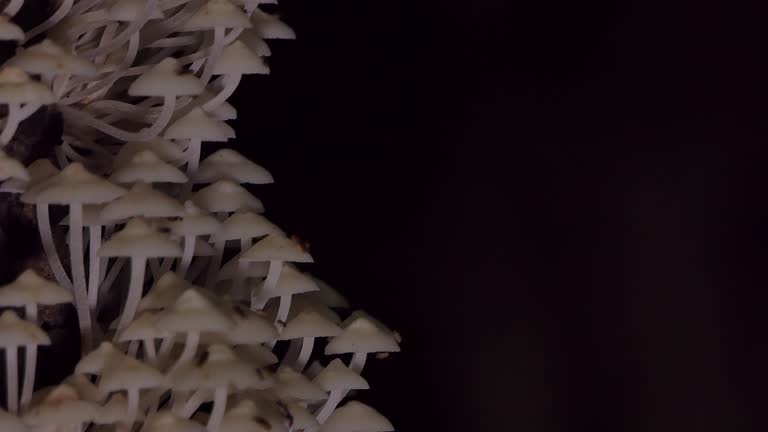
{"type": "Point", "coordinates": [208, 290]}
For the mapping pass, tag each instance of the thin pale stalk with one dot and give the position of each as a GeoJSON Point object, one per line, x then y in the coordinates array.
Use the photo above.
{"type": "Point", "coordinates": [219, 406]}
{"type": "Point", "coordinates": [186, 257]}
{"type": "Point", "coordinates": [12, 378]}
{"type": "Point", "coordinates": [30, 360]}
{"type": "Point", "coordinates": [80, 292]}
{"type": "Point", "coordinates": [49, 246]}
{"type": "Point", "coordinates": [94, 265]}
{"type": "Point", "coordinates": [138, 267]}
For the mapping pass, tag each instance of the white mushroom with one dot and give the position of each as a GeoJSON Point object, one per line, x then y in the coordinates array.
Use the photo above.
{"type": "Point", "coordinates": [23, 97]}
{"type": "Point", "coordinates": [356, 417]}
{"type": "Point", "coordinates": [15, 333]}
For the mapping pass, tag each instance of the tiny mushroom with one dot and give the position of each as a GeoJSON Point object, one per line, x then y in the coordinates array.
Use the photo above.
{"type": "Point", "coordinates": [15, 333]}
{"type": "Point", "coordinates": [193, 223]}
{"type": "Point", "coordinates": [23, 97]}
{"type": "Point", "coordinates": [146, 166]}
{"type": "Point", "coordinates": [337, 379]}
{"type": "Point", "coordinates": [227, 164]}
{"type": "Point", "coordinates": [304, 328]}
{"type": "Point", "coordinates": [132, 376]}
{"type": "Point", "coordinates": [62, 408]}
{"type": "Point", "coordinates": [361, 337]}
{"type": "Point", "coordinates": [196, 127]}
{"type": "Point", "coordinates": [355, 416]}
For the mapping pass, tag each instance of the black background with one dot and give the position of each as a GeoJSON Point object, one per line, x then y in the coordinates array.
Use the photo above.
{"type": "Point", "coordinates": [558, 204]}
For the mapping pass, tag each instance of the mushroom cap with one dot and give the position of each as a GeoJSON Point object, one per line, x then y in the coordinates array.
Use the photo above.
{"type": "Point", "coordinates": [91, 216]}
{"type": "Point", "coordinates": [199, 125]}
{"type": "Point", "coordinates": [17, 88]}
{"type": "Point", "coordinates": [29, 288]}
{"type": "Point", "coordinates": [256, 269]}
{"type": "Point", "coordinates": [11, 168]}
{"type": "Point", "coordinates": [269, 26]}
{"type": "Point", "coordinates": [217, 13]}
{"type": "Point", "coordinates": [48, 58]}
{"type": "Point", "coordinates": [251, 328]}
{"type": "Point", "coordinates": [277, 247]}
{"type": "Point", "coordinates": [164, 292]}
{"type": "Point", "coordinates": [356, 417]}
{"type": "Point", "coordinates": [166, 79]}
{"type": "Point", "coordinates": [227, 164]}
{"type": "Point", "coordinates": [131, 10]}
{"type": "Point", "coordinates": [245, 224]}
{"type": "Point", "coordinates": [251, 416]}
{"type": "Point", "coordinates": [138, 239]}
{"type": "Point", "coordinates": [9, 422]}
{"type": "Point", "coordinates": [38, 171]}
{"type": "Point", "coordinates": [193, 311]}
{"type": "Point", "coordinates": [194, 222]}
{"type": "Point", "coordinates": [309, 323]}
{"type": "Point", "coordinates": [338, 377]}
{"type": "Point", "coordinates": [166, 421]}
{"type": "Point", "coordinates": [85, 389]}
{"type": "Point", "coordinates": [221, 368]}
{"type": "Point", "coordinates": [130, 373]}
{"type": "Point", "coordinates": [9, 30]}
{"type": "Point", "coordinates": [142, 201]}
{"type": "Point", "coordinates": [15, 331]}
{"type": "Point", "coordinates": [223, 111]}
{"type": "Point", "coordinates": [302, 418]}
{"type": "Point", "coordinates": [76, 185]}
{"type": "Point", "coordinates": [143, 327]}
{"type": "Point", "coordinates": [61, 406]}
{"type": "Point", "coordinates": [167, 151]}
{"type": "Point", "coordinates": [255, 42]}
{"type": "Point", "coordinates": [146, 166]}
{"type": "Point", "coordinates": [95, 361]}
{"type": "Point", "coordinates": [226, 196]}
{"type": "Point", "coordinates": [292, 385]}
{"type": "Point", "coordinates": [290, 282]}
{"type": "Point", "coordinates": [362, 336]}
{"type": "Point", "coordinates": [328, 296]}
{"type": "Point", "coordinates": [256, 355]}
{"type": "Point", "coordinates": [114, 411]}
{"type": "Point", "coordinates": [237, 58]}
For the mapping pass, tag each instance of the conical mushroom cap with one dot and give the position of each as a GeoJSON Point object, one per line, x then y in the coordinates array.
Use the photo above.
{"type": "Point", "coordinates": [48, 58]}
{"type": "Point", "coordinates": [143, 327]}
{"type": "Point", "coordinates": [91, 216]}
{"type": "Point", "coordinates": [199, 125]}
{"type": "Point", "coordinates": [217, 13]}
{"type": "Point", "coordinates": [356, 417]}
{"type": "Point", "coordinates": [114, 411]}
{"type": "Point", "coordinates": [130, 373]}
{"type": "Point", "coordinates": [245, 224]}
{"type": "Point", "coordinates": [362, 336]}
{"type": "Point", "coordinates": [166, 421]}
{"type": "Point", "coordinates": [167, 151]}
{"type": "Point", "coordinates": [309, 323]}
{"type": "Point", "coordinates": [85, 389]}
{"type": "Point", "coordinates": [131, 10]}
{"type": "Point", "coordinates": [194, 222]}
{"type": "Point", "coordinates": [275, 247]}
{"type": "Point", "coordinates": [10, 31]}
{"type": "Point", "coordinates": [226, 196]}
{"type": "Point", "coordinates": [192, 311]}
{"type": "Point", "coordinates": [255, 42]}
{"type": "Point", "coordinates": [16, 87]}
{"type": "Point", "coordinates": [39, 171]}
{"type": "Point", "coordinates": [251, 328]}
{"type": "Point", "coordinates": [30, 288]}
{"type": "Point", "coordinates": [248, 416]}
{"type": "Point", "coordinates": [75, 185]}
{"type": "Point", "coordinates": [269, 27]}
{"type": "Point", "coordinates": [227, 164]}
{"type": "Point", "coordinates": [292, 385]}
{"type": "Point", "coordinates": [10, 167]}
{"type": "Point", "coordinates": [146, 166]}
{"type": "Point", "coordinates": [60, 407]}
{"type": "Point", "coordinates": [237, 58]}
{"type": "Point", "coordinates": [164, 292]}
{"type": "Point", "coordinates": [139, 239]}
{"type": "Point", "coordinates": [95, 361]}
{"type": "Point", "coordinates": [256, 269]}
{"type": "Point", "coordinates": [337, 377]}
{"type": "Point", "coordinates": [15, 331]}
{"type": "Point", "coordinates": [290, 282]}
{"type": "Point", "coordinates": [11, 423]}
{"type": "Point", "coordinates": [256, 355]}
{"type": "Point", "coordinates": [166, 79]}
{"type": "Point", "coordinates": [220, 368]}
{"type": "Point", "coordinates": [142, 201]}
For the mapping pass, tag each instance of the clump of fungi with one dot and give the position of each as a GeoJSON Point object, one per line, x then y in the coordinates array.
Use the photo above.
{"type": "Point", "coordinates": [206, 287]}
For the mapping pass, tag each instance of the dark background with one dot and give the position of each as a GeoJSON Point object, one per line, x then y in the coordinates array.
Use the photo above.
{"type": "Point", "coordinates": [560, 205]}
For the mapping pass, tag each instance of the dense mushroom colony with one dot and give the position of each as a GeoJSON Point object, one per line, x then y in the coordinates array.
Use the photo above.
{"type": "Point", "coordinates": [207, 286]}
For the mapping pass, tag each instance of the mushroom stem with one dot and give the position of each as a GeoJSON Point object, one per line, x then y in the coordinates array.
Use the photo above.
{"type": "Point", "coordinates": [306, 351]}
{"type": "Point", "coordinates": [230, 85]}
{"type": "Point", "coordinates": [165, 349]}
{"type": "Point", "coordinates": [258, 300]}
{"type": "Point", "coordinates": [242, 267]}
{"type": "Point", "coordinates": [213, 53]}
{"type": "Point", "coordinates": [358, 361]}
{"type": "Point", "coordinates": [57, 16]}
{"type": "Point", "coordinates": [150, 352]}
{"type": "Point", "coordinates": [282, 316]}
{"type": "Point", "coordinates": [94, 264]}
{"type": "Point", "coordinates": [46, 237]}
{"type": "Point", "coordinates": [80, 291]}
{"type": "Point", "coordinates": [112, 274]}
{"type": "Point", "coordinates": [169, 104]}
{"type": "Point", "coordinates": [13, 7]}
{"type": "Point", "coordinates": [12, 378]}
{"type": "Point", "coordinates": [133, 405]}
{"type": "Point", "coordinates": [333, 401]}
{"type": "Point", "coordinates": [190, 348]}
{"type": "Point", "coordinates": [11, 123]}
{"type": "Point", "coordinates": [193, 157]}
{"type": "Point", "coordinates": [135, 288]}
{"type": "Point", "coordinates": [193, 403]}
{"type": "Point", "coordinates": [213, 267]}
{"type": "Point", "coordinates": [30, 360]}
{"type": "Point", "coordinates": [123, 37]}
{"type": "Point", "coordinates": [219, 405]}
{"type": "Point", "coordinates": [186, 257]}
